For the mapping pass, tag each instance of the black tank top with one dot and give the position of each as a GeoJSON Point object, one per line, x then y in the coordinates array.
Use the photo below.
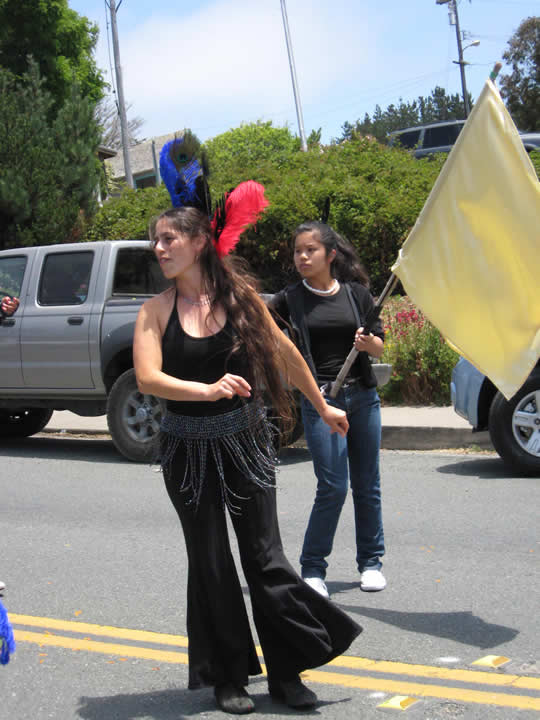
{"type": "Point", "coordinates": [202, 360]}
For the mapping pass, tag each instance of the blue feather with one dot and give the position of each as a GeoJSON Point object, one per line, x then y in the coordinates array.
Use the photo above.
{"type": "Point", "coordinates": [179, 170]}
{"type": "Point", "coordinates": [7, 641]}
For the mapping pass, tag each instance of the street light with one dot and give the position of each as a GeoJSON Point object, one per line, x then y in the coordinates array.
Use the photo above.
{"type": "Point", "coordinates": [453, 15]}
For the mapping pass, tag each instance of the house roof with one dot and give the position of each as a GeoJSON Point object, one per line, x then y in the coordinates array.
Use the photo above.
{"type": "Point", "coordinates": [140, 155]}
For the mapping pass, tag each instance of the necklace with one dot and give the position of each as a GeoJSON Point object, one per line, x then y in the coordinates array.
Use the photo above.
{"type": "Point", "coordinates": [197, 303]}
{"type": "Point", "coordinates": [335, 286]}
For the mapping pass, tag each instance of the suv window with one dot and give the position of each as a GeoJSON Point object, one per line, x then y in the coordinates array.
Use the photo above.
{"type": "Point", "coordinates": [11, 275]}
{"type": "Point", "coordinates": [64, 278]}
{"type": "Point", "coordinates": [441, 135]}
{"type": "Point", "coordinates": [137, 272]}
{"type": "Point", "coordinates": [408, 139]}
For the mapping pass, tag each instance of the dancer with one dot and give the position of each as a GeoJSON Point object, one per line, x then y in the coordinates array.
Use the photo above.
{"type": "Point", "coordinates": [327, 310]}
{"type": "Point", "coordinates": [207, 345]}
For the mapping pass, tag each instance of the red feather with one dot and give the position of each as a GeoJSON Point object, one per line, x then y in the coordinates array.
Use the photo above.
{"type": "Point", "coordinates": [243, 205]}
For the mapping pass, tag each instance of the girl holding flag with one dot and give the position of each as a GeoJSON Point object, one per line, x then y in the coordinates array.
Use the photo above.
{"type": "Point", "coordinates": [327, 310]}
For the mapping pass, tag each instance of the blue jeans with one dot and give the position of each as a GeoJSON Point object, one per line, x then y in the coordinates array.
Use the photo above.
{"type": "Point", "coordinates": [335, 460]}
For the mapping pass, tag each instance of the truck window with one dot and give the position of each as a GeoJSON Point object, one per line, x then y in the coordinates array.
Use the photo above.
{"type": "Point", "coordinates": [64, 278]}
{"type": "Point", "coordinates": [137, 272]}
{"type": "Point", "coordinates": [11, 275]}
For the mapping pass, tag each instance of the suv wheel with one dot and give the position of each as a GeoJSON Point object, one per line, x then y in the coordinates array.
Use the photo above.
{"type": "Point", "coordinates": [514, 426]}
{"type": "Point", "coordinates": [134, 419]}
{"type": "Point", "coordinates": [23, 423]}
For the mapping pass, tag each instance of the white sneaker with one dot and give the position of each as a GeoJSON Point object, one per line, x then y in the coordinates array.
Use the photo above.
{"type": "Point", "coordinates": [318, 585]}
{"type": "Point", "coordinates": [2, 586]}
{"type": "Point", "coordinates": [372, 580]}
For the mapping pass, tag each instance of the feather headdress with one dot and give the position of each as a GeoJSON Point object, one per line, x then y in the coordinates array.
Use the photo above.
{"type": "Point", "coordinates": [235, 212]}
{"type": "Point", "coordinates": [184, 171]}
{"type": "Point", "coordinates": [7, 643]}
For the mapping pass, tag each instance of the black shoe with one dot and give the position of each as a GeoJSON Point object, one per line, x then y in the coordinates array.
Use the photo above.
{"type": "Point", "coordinates": [293, 693]}
{"type": "Point", "coordinates": [233, 700]}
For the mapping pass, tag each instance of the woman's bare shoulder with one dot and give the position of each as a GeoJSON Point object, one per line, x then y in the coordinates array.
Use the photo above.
{"type": "Point", "coordinates": [159, 306]}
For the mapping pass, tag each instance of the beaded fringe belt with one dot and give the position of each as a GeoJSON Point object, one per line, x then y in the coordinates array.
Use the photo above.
{"type": "Point", "coordinates": [244, 434]}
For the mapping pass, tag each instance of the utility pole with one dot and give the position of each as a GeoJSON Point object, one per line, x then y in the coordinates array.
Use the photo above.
{"type": "Point", "coordinates": [293, 77]}
{"type": "Point", "coordinates": [120, 90]}
{"type": "Point", "coordinates": [453, 11]}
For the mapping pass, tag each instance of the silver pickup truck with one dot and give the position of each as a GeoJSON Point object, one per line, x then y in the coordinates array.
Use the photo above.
{"type": "Point", "coordinates": [69, 345]}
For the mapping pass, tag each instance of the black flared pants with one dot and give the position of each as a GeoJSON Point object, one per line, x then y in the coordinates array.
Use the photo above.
{"type": "Point", "coordinates": [297, 627]}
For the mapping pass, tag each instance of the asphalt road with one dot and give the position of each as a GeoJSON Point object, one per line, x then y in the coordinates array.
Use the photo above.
{"type": "Point", "coordinates": [93, 557]}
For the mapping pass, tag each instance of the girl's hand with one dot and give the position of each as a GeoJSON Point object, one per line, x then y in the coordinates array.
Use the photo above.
{"type": "Point", "coordinates": [229, 386]}
{"type": "Point", "coordinates": [363, 343]}
{"type": "Point", "coordinates": [336, 420]}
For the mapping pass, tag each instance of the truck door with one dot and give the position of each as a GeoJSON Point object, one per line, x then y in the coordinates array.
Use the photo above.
{"type": "Point", "coordinates": [12, 269]}
{"type": "Point", "coordinates": [55, 328]}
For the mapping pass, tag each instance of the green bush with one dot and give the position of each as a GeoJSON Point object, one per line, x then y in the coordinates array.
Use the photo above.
{"type": "Point", "coordinates": [127, 216]}
{"type": "Point", "coordinates": [376, 195]}
{"type": "Point", "coordinates": [422, 360]}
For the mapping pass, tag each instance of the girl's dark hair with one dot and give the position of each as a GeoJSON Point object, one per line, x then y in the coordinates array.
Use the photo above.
{"type": "Point", "coordinates": [229, 283]}
{"type": "Point", "coordinates": [346, 266]}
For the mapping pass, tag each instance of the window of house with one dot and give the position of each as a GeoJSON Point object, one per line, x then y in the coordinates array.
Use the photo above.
{"type": "Point", "coordinates": [137, 272]}
{"type": "Point", "coordinates": [145, 182]}
{"type": "Point", "coordinates": [65, 278]}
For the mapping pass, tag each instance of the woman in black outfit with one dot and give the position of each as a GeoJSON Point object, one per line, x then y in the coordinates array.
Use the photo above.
{"type": "Point", "coordinates": [207, 345]}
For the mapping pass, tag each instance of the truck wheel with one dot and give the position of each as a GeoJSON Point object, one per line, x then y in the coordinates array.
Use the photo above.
{"type": "Point", "coordinates": [514, 427]}
{"type": "Point", "coordinates": [23, 423]}
{"type": "Point", "coordinates": [134, 419]}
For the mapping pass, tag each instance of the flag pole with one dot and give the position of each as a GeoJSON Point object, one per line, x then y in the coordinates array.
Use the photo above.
{"type": "Point", "coordinates": [374, 314]}
{"type": "Point", "coordinates": [371, 319]}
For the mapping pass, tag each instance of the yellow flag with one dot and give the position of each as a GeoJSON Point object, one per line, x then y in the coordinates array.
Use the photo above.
{"type": "Point", "coordinates": [472, 260]}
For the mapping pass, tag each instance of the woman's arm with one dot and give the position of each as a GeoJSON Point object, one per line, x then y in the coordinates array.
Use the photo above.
{"type": "Point", "coordinates": [148, 361]}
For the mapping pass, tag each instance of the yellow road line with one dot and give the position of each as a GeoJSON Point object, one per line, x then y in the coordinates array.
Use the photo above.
{"type": "Point", "coordinates": [101, 630]}
{"type": "Point", "coordinates": [344, 661]}
{"type": "Point", "coordinates": [524, 702]}
{"type": "Point", "coordinates": [329, 678]}
{"type": "Point", "coordinates": [439, 673]}
{"type": "Point", "coordinates": [167, 656]}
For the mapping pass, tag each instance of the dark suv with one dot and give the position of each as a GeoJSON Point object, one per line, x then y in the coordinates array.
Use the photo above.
{"type": "Point", "coordinates": [427, 139]}
{"type": "Point", "coordinates": [440, 137]}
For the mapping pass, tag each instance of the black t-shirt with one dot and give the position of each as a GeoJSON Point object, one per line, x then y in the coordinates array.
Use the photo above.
{"type": "Point", "coordinates": [203, 360]}
{"type": "Point", "coordinates": [331, 325]}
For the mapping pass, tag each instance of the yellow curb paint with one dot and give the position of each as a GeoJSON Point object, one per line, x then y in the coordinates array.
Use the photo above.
{"type": "Point", "coordinates": [398, 702]}
{"type": "Point", "coordinates": [523, 702]}
{"type": "Point", "coordinates": [491, 661]}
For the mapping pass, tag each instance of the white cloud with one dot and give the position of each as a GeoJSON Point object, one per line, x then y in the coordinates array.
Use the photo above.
{"type": "Point", "coordinates": [229, 61]}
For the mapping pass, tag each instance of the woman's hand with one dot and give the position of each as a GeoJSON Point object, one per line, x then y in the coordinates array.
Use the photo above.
{"type": "Point", "coordinates": [229, 386]}
{"type": "Point", "coordinates": [336, 419]}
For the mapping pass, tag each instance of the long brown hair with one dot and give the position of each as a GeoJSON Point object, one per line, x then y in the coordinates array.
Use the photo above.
{"type": "Point", "coordinates": [229, 283]}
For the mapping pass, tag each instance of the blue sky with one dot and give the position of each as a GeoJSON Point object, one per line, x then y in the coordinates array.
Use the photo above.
{"type": "Point", "coordinates": [213, 64]}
